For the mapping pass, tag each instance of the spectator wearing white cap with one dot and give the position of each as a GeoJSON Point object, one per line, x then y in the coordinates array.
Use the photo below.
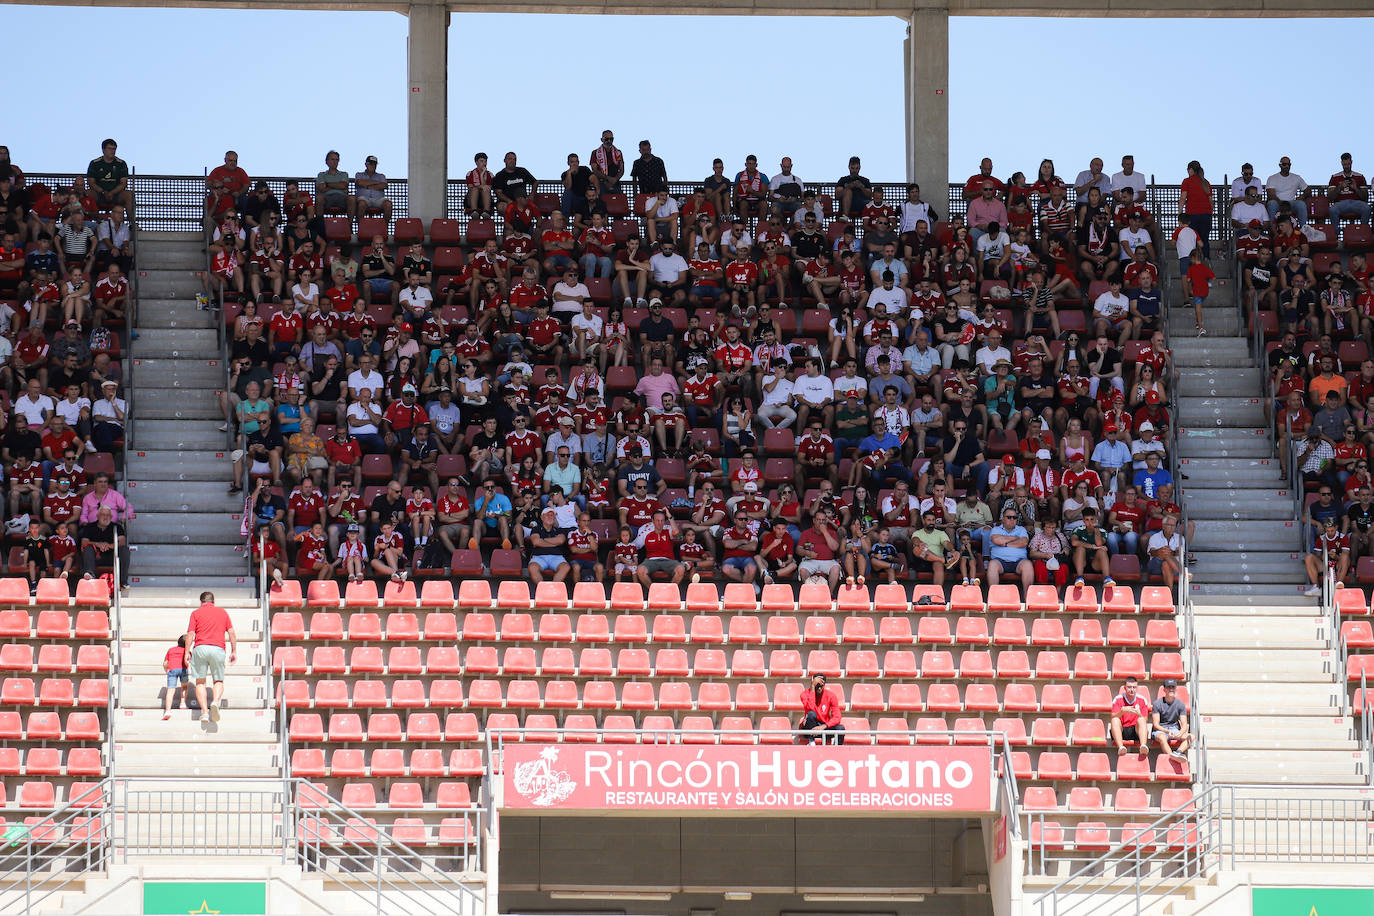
{"type": "Point", "coordinates": [1147, 440]}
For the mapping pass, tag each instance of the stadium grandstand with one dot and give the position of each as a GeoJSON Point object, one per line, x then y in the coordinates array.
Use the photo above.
{"type": "Point", "coordinates": [624, 544]}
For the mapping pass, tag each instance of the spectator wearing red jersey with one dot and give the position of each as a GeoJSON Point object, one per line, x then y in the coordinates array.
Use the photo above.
{"type": "Point", "coordinates": [1348, 193]}
{"type": "Point", "coordinates": [821, 715]}
{"type": "Point", "coordinates": [660, 552]}
{"type": "Point", "coordinates": [1131, 718]}
{"type": "Point", "coordinates": [1196, 204]}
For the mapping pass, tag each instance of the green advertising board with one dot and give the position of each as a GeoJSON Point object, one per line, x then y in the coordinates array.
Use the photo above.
{"type": "Point", "coordinates": [239, 898]}
{"type": "Point", "coordinates": [1312, 901]}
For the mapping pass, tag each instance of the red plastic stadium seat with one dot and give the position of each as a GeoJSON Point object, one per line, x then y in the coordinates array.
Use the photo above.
{"type": "Point", "coordinates": [515, 596]}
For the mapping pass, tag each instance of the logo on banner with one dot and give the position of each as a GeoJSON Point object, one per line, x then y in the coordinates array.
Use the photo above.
{"type": "Point", "coordinates": [538, 781]}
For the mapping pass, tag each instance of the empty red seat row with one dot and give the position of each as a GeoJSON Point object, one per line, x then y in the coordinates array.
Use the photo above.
{"type": "Point", "coordinates": [52, 691]}
{"type": "Point", "coordinates": [51, 761]}
{"type": "Point", "coordinates": [14, 590]}
{"type": "Point", "coordinates": [403, 694]}
{"type": "Point", "coordinates": [1097, 837]}
{"type": "Point", "coordinates": [413, 831]}
{"type": "Point", "coordinates": [387, 762]}
{"type": "Point", "coordinates": [21, 624]}
{"type": "Point", "coordinates": [54, 659]}
{"type": "Point", "coordinates": [43, 794]}
{"type": "Point", "coordinates": [516, 595]}
{"type": "Point", "coordinates": [47, 726]}
{"type": "Point", "coordinates": [309, 728]}
{"type": "Point", "coordinates": [1089, 799]}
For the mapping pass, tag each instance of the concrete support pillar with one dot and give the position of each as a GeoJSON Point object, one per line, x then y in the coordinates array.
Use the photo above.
{"type": "Point", "coordinates": [927, 105]}
{"type": "Point", "coordinates": [427, 102]}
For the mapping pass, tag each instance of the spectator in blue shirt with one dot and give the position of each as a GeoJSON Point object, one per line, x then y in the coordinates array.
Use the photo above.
{"type": "Point", "coordinates": [883, 439]}
{"type": "Point", "coordinates": [1110, 457]}
{"type": "Point", "coordinates": [1152, 477]}
{"type": "Point", "coordinates": [1008, 551]}
{"type": "Point", "coordinates": [493, 509]}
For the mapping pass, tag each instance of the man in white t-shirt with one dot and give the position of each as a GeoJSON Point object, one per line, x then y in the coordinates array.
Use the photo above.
{"type": "Point", "coordinates": [994, 252]}
{"type": "Point", "coordinates": [587, 328]}
{"type": "Point", "coordinates": [1112, 312]}
{"type": "Point", "coordinates": [990, 352]}
{"type": "Point", "coordinates": [814, 393]}
{"type": "Point", "coordinates": [35, 406]}
{"type": "Point", "coordinates": [890, 296]}
{"type": "Point", "coordinates": [1287, 185]}
{"type": "Point", "coordinates": [1247, 208]}
{"type": "Point", "coordinates": [1128, 177]}
{"type": "Point", "coordinates": [570, 293]}
{"type": "Point", "coordinates": [1247, 179]}
{"type": "Point", "coordinates": [365, 376]}
{"type": "Point", "coordinates": [416, 299]}
{"type": "Point", "coordinates": [1132, 236]}
{"type": "Point", "coordinates": [660, 218]}
{"type": "Point", "coordinates": [669, 271]}
{"type": "Point", "coordinates": [775, 409]}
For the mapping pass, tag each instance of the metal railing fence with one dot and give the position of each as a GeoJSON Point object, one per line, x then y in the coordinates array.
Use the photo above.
{"type": "Point", "coordinates": [1220, 827]}
{"type": "Point", "coordinates": [54, 851]}
{"type": "Point", "coordinates": [177, 202]}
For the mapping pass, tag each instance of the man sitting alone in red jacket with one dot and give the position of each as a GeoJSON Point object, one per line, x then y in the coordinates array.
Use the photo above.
{"type": "Point", "coordinates": [822, 709]}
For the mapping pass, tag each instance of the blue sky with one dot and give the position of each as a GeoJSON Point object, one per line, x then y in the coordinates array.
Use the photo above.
{"type": "Point", "coordinates": [178, 87]}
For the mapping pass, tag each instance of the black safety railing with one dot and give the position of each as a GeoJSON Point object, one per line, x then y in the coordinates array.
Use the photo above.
{"type": "Point", "coordinates": [177, 202]}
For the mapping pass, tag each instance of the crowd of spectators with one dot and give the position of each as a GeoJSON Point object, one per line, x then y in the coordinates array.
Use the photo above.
{"type": "Point", "coordinates": [765, 378]}
{"type": "Point", "coordinates": [65, 258]}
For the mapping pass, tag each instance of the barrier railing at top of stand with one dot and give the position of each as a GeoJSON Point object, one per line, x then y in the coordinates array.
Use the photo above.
{"type": "Point", "coordinates": [176, 202]}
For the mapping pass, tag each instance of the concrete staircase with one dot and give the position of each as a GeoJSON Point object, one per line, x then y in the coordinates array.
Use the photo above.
{"type": "Point", "coordinates": [1245, 542]}
{"type": "Point", "coordinates": [178, 466]}
{"type": "Point", "coordinates": [240, 751]}
{"type": "Point", "coordinates": [1271, 696]}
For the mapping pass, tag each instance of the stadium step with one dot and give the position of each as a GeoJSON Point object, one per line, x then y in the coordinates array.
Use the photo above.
{"type": "Point", "coordinates": [1224, 443]}
{"type": "Point", "coordinates": [177, 527]}
{"type": "Point", "coordinates": [178, 404]}
{"type": "Point", "coordinates": [186, 559]}
{"type": "Point", "coordinates": [1220, 534]}
{"type": "Point", "coordinates": [1275, 567]}
{"type": "Point", "coordinates": [173, 313]}
{"type": "Point", "coordinates": [183, 284]}
{"type": "Point", "coordinates": [184, 496]}
{"type": "Point", "coordinates": [179, 434]}
{"type": "Point", "coordinates": [1232, 382]}
{"type": "Point", "coordinates": [189, 465]}
{"type": "Point", "coordinates": [176, 343]}
{"type": "Point", "coordinates": [182, 373]}
{"type": "Point", "coordinates": [1220, 411]}
{"type": "Point", "coordinates": [1218, 320]}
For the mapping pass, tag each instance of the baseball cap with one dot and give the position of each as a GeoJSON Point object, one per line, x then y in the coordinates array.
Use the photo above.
{"type": "Point", "coordinates": [1008, 459]}
{"type": "Point", "coordinates": [1147, 425]}
{"type": "Point", "coordinates": [1170, 682]}
{"type": "Point", "coordinates": [751, 487]}
{"type": "Point", "coordinates": [1255, 224]}
{"type": "Point", "coordinates": [408, 389]}
{"type": "Point", "coordinates": [565, 421]}
{"type": "Point", "coordinates": [1043, 453]}
{"type": "Point", "coordinates": [1152, 397]}
{"type": "Point", "coordinates": [853, 393]}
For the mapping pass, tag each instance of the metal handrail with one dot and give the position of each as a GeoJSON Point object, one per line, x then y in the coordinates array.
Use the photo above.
{"type": "Point", "coordinates": [315, 849]}
{"type": "Point", "coordinates": [1367, 728]}
{"type": "Point", "coordinates": [48, 844]}
{"type": "Point", "coordinates": [1292, 824]}
{"type": "Point", "coordinates": [1148, 861]}
{"type": "Point", "coordinates": [116, 691]}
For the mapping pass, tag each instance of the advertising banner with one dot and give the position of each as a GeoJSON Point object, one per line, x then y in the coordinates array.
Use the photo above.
{"type": "Point", "coordinates": [703, 780]}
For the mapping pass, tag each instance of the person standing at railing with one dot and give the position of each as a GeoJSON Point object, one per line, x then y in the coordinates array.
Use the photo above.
{"type": "Point", "coordinates": [821, 714]}
{"type": "Point", "coordinates": [207, 632]}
